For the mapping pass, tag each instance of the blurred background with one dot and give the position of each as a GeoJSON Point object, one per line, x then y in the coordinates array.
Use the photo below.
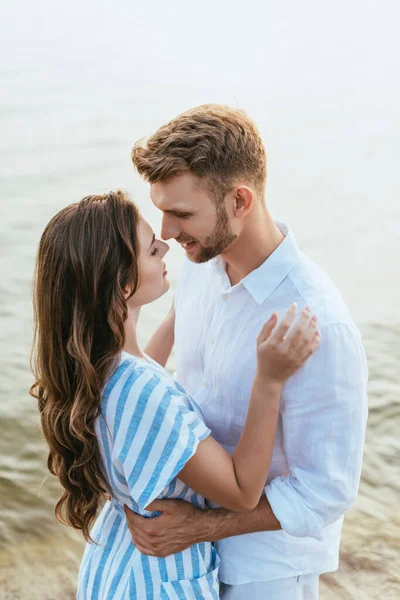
{"type": "Point", "coordinates": [80, 83]}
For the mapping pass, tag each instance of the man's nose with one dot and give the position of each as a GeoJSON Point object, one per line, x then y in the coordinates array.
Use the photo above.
{"type": "Point", "coordinates": [169, 228]}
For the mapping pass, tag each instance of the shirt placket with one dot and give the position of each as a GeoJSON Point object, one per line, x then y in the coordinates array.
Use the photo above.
{"type": "Point", "coordinates": [213, 350]}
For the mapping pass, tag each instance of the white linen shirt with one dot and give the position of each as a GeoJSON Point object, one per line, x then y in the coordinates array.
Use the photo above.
{"type": "Point", "coordinates": [315, 470]}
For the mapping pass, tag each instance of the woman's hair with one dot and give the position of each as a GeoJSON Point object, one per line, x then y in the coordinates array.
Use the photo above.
{"type": "Point", "coordinates": [87, 260]}
{"type": "Point", "coordinates": [219, 144]}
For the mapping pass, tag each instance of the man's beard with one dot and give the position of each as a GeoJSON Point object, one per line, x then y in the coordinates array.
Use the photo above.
{"type": "Point", "coordinates": [221, 237]}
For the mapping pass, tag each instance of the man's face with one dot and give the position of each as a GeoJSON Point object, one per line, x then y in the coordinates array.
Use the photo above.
{"type": "Point", "coordinates": [191, 218]}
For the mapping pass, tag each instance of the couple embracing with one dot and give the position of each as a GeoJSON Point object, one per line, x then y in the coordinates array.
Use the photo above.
{"type": "Point", "coordinates": [232, 480]}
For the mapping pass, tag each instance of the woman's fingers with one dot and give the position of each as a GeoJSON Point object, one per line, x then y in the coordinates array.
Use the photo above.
{"type": "Point", "coordinates": [298, 331]}
{"type": "Point", "coordinates": [282, 329]}
{"type": "Point", "coordinates": [267, 328]}
{"type": "Point", "coordinates": [311, 346]}
{"type": "Point", "coordinates": [310, 331]}
{"type": "Point", "coordinates": [304, 331]}
{"type": "Point", "coordinates": [303, 338]}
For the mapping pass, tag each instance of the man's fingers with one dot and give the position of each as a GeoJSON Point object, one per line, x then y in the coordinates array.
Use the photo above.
{"type": "Point", "coordinates": [145, 549]}
{"type": "Point", "coordinates": [128, 511]}
{"type": "Point", "coordinates": [157, 506]}
{"type": "Point", "coordinates": [135, 521]}
{"type": "Point", "coordinates": [147, 546]}
{"type": "Point", "coordinates": [166, 506]}
{"type": "Point", "coordinates": [142, 540]}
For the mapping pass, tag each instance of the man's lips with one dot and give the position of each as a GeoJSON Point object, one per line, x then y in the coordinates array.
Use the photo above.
{"type": "Point", "coordinates": [188, 245]}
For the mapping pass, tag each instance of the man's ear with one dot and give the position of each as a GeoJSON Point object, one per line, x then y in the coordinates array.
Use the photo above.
{"type": "Point", "coordinates": [243, 201]}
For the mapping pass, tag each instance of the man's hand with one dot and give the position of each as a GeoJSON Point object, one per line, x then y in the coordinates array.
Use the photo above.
{"type": "Point", "coordinates": [177, 527]}
{"type": "Point", "coordinates": [180, 525]}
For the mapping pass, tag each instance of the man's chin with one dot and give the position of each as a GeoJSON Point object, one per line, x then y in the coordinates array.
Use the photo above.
{"type": "Point", "coordinates": [201, 256]}
{"type": "Point", "coordinates": [193, 258]}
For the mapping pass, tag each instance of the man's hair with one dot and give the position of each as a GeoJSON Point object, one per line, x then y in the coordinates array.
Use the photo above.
{"type": "Point", "coordinates": [219, 144]}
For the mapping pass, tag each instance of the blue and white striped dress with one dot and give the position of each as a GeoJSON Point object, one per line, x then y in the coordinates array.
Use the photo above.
{"type": "Point", "coordinates": [148, 430]}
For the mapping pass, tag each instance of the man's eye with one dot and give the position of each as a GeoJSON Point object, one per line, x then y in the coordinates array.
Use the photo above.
{"type": "Point", "coordinates": [183, 215]}
{"type": "Point", "coordinates": [154, 251]}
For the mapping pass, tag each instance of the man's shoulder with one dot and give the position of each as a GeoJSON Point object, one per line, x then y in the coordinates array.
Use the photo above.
{"type": "Point", "coordinates": [313, 286]}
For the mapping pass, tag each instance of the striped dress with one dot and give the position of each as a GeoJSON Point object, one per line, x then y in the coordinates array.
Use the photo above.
{"type": "Point", "coordinates": [148, 430]}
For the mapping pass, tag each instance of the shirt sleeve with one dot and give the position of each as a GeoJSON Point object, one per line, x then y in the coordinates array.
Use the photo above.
{"type": "Point", "coordinates": [160, 433]}
{"type": "Point", "coordinates": [324, 413]}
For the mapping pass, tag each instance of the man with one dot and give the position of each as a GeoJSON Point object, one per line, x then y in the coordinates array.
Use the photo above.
{"type": "Point", "coordinates": [207, 174]}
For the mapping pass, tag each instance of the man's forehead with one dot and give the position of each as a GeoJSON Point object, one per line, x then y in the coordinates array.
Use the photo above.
{"type": "Point", "coordinates": [167, 204]}
{"type": "Point", "coordinates": [173, 198]}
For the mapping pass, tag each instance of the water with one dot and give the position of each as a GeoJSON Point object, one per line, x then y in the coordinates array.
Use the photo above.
{"type": "Point", "coordinates": [81, 83]}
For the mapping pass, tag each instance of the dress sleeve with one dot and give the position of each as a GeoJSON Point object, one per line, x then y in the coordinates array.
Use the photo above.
{"type": "Point", "coordinates": [159, 434]}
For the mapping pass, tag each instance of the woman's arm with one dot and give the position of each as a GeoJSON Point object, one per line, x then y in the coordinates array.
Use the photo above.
{"type": "Point", "coordinates": [236, 482]}
{"type": "Point", "coordinates": [160, 344]}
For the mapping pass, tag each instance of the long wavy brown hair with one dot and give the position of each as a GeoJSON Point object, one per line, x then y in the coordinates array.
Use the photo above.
{"type": "Point", "coordinates": [87, 259]}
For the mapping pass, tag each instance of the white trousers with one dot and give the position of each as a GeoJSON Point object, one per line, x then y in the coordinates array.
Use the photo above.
{"type": "Point", "coordinates": [302, 587]}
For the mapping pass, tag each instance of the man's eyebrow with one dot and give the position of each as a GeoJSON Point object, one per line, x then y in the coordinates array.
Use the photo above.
{"type": "Point", "coordinates": [152, 240]}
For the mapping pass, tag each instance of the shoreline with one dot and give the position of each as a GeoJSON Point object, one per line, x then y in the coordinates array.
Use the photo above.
{"type": "Point", "coordinates": [367, 570]}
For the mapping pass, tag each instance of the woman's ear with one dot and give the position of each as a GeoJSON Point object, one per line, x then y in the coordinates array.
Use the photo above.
{"type": "Point", "coordinates": [243, 201]}
{"type": "Point", "coordinates": [127, 291]}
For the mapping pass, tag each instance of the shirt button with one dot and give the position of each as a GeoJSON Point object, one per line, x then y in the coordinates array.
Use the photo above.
{"type": "Point", "coordinates": [212, 341]}
{"type": "Point", "coordinates": [206, 384]}
{"type": "Point", "coordinates": [225, 296]}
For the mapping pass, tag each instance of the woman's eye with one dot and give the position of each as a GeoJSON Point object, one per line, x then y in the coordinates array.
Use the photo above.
{"type": "Point", "coordinates": [154, 251]}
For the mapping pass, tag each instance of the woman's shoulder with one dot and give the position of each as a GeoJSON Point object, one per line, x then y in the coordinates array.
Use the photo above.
{"type": "Point", "coordinates": [140, 397]}
{"type": "Point", "coordinates": [136, 377]}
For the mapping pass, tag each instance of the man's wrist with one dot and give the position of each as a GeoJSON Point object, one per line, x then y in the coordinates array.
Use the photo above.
{"type": "Point", "coordinates": [203, 526]}
{"type": "Point", "coordinates": [217, 524]}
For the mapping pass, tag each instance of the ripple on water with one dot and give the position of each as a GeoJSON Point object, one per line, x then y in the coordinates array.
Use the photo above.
{"type": "Point", "coordinates": [371, 531]}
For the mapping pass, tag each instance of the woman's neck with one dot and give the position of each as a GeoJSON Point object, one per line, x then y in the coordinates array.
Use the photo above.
{"type": "Point", "coordinates": [131, 344]}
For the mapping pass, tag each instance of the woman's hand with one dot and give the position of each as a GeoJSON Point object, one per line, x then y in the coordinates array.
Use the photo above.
{"type": "Point", "coordinates": [282, 349]}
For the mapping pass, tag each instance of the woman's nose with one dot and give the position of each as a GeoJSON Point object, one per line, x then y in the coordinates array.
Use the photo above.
{"type": "Point", "coordinates": [165, 248]}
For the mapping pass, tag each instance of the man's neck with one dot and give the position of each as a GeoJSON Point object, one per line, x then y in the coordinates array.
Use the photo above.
{"type": "Point", "coordinates": [253, 246]}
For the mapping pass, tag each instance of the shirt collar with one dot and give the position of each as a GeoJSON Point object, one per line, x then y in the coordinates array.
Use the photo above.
{"type": "Point", "coordinates": [264, 280]}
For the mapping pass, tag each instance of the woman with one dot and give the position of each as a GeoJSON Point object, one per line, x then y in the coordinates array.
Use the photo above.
{"type": "Point", "coordinates": [116, 422]}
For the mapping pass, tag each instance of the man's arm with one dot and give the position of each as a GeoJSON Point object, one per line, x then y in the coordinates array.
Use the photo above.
{"type": "Point", "coordinates": [160, 344]}
{"type": "Point", "coordinates": [221, 523]}
{"type": "Point", "coordinates": [180, 525]}
{"type": "Point", "coordinates": [324, 412]}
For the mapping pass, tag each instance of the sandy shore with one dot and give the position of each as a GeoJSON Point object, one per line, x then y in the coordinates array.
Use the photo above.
{"type": "Point", "coordinates": [43, 570]}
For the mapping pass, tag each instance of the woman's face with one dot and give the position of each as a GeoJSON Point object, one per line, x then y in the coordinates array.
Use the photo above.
{"type": "Point", "coordinates": [153, 281]}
